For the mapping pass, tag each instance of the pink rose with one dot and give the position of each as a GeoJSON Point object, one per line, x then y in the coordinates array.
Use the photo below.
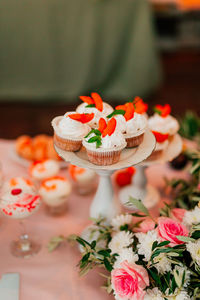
{"type": "Point", "coordinates": [178, 214]}
{"type": "Point", "coordinates": [129, 281]}
{"type": "Point", "coordinates": [168, 229]}
{"type": "Point", "coordinates": [145, 226]}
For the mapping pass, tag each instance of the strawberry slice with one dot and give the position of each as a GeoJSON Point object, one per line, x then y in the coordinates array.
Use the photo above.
{"type": "Point", "coordinates": [140, 106]}
{"type": "Point", "coordinates": [160, 138]}
{"type": "Point", "coordinates": [97, 101]}
{"type": "Point", "coordinates": [163, 111]}
{"type": "Point", "coordinates": [76, 117]}
{"type": "Point", "coordinates": [87, 99]}
{"type": "Point", "coordinates": [85, 118]}
{"type": "Point", "coordinates": [102, 125]}
{"type": "Point", "coordinates": [129, 114]}
{"type": "Point", "coordinates": [110, 127]}
{"type": "Point", "coordinates": [120, 107]}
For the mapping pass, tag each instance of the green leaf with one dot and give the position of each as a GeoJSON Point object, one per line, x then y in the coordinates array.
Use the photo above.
{"type": "Point", "coordinates": [138, 204]}
{"type": "Point", "coordinates": [93, 244]}
{"type": "Point", "coordinates": [90, 105]}
{"type": "Point", "coordinates": [138, 215]}
{"type": "Point", "coordinates": [165, 243]}
{"type": "Point", "coordinates": [185, 238]}
{"type": "Point", "coordinates": [55, 242]}
{"type": "Point", "coordinates": [105, 253]}
{"type": "Point", "coordinates": [124, 227]}
{"type": "Point", "coordinates": [85, 257]}
{"type": "Point", "coordinates": [154, 245]}
{"type": "Point", "coordinates": [107, 265]}
{"type": "Point", "coordinates": [95, 131]}
{"type": "Point", "coordinates": [196, 234]}
{"type": "Point", "coordinates": [116, 112]}
{"type": "Point", "coordinates": [157, 111]}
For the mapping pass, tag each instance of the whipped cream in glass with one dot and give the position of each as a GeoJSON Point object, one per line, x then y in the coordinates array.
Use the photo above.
{"type": "Point", "coordinates": [44, 169]}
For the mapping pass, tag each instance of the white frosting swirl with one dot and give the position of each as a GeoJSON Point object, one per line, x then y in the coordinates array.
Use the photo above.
{"type": "Point", "coordinates": [136, 125]}
{"type": "Point", "coordinates": [54, 191]}
{"type": "Point", "coordinates": [121, 123]}
{"type": "Point", "coordinates": [44, 169]}
{"type": "Point", "coordinates": [163, 125]}
{"type": "Point", "coordinates": [114, 142]}
{"type": "Point", "coordinates": [16, 183]}
{"type": "Point", "coordinates": [107, 109]}
{"type": "Point", "coordinates": [69, 128]}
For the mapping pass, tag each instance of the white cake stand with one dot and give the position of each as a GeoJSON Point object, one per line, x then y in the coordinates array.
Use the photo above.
{"type": "Point", "coordinates": [103, 204]}
{"type": "Point", "coordinates": [141, 189]}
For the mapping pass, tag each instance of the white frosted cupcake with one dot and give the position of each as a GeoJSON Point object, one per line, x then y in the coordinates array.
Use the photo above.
{"type": "Point", "coordinates": [70, 129]}
{"type": "Point", "coordinates": [94, 104]}
{"type": "Point", "coordinates": [18, 182]}
{"type": "Point", "coordinates": [104, 145]}
{"type": "Point", "coordinates": [83, 179]}
{"type": "Point", "coordinates": [40, 170]}
{"type": "Point", "coordinates": [18, 203]}
{"type": "Point", "coordinates": [130, 123]}
{"type": "Point", "coordinates": [54, 192]}
{"type": "Point", "coordinates": [163, 122]}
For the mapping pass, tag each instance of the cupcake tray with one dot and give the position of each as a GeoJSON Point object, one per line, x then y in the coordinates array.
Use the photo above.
{"type": "Point", "coordinates": [141, 189]}
{"type": "Point", "coordinates": [104, 204]}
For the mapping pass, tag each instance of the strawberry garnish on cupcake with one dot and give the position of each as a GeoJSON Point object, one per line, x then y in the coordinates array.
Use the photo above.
{"type": "Point", "coordinates": [83, 118]}
{"type": "Point", "coordinates": [160, 137]}
{"type": "Point", "coordinates": [110, 128]}
{"type": "Point", "coordinates": [94, 101]}
{"type": "Point", "coordinates": [129, 111]}
{"type": "Point", "coordinates": [102, 125]}
{"type": "Point", "coordinates": [163, 110]}
{"type": "Point", "coordinates": [140, 106]}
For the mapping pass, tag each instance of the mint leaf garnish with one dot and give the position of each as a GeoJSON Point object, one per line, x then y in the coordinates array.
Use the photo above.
{"type": "Point", "coordinates": [90, 105]}
{"type": "Point", "coordinates": [95, 131]}
{"type": "Point", "coordinates": [157, 111]}
{"type": "Point", "coordinates": [116, 112]}
{"type": "Point", "coordinates": [95, 139]}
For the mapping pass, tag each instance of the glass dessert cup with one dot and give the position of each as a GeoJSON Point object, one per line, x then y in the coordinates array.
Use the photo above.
{"type": "Point", "coordinates": [57, 210]}
{"type": "Point", "coordinates": [20, 204]}
{"type": "Point", "coordinates": [24, 246]}
{"type": "Point", "coordinates": [84, 189]}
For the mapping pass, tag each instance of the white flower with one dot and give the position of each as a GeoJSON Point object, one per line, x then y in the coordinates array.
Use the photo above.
{"type": "Point", "coordinates": [154, 294]}
{"type": "Point", "coordinates": [194, 249]}
{"type": "Point", "coordinates": [121, 220]}
{"type": "Point", "coordinates": [146, 241]}
{"type": "Point", "coordinates": [192, 217]}
{"type": "Point", "coordinates": [179, 295]}
{"type": "Point", "coordinates": [120, 240]}
{"type": "Point", "coordinates": [182, 271]}
{"type": "Point", "coordinates": [162, 263]}
{"type": "Point", "coordinates": [126, 254]}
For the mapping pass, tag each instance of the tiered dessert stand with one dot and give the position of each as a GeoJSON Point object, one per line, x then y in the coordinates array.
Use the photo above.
{"type": "Point", "coordinates": [141, 189]}
{"type": "Point", "coordinates": [104, 204]}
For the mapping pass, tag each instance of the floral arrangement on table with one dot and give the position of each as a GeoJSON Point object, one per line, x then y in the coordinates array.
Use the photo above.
{"type": "Point", "coordinates": [146, 257]}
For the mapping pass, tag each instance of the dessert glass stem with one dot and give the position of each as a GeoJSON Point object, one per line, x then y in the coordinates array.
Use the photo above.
{"type": "Point", "coordinates": [24, 238]}
{"type": "Point", "coordinates": [103, 204]}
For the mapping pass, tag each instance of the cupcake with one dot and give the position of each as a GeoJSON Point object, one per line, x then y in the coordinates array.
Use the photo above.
{"type": "Point", "coordinates": [84, 180]}
{"type": "Point", "coordinates": [131, 124]}
{"type": "Point", "coordinates": [104, 145]}
{"type": "Point", "coordinates": [41, 170]}
{"type": "Point", "coordinates": [163, 122]}
{"type": "Point", "coordinates": [94, 104]}
{"type": "Point", "coordinates": [161, 144]}
{"type": "Point", "coordinates": [54, 192]}
{"type": "Point", "coordinates": [70, 129]}
{"type": "Point", "coordinates": [19, 203]}
{"type": "Point", "coordinates": [18, 183]}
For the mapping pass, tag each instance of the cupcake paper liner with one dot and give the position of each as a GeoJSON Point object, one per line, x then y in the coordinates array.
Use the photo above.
{"type": "Point", "coordinates": [134, 141]}
{"type": "Point", "coordinates": [104, 158]}
{"type": "Point", "coordinates": [67, 144]}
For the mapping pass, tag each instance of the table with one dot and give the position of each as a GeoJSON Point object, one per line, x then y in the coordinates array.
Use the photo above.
{"type": "Point", "coordinates": [54, 276]}
{"type": "Point", "coordinates": [60, 49]}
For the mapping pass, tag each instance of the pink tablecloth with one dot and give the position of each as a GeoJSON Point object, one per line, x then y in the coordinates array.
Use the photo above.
{"type": "Point", "coordinates": [54, 276]}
